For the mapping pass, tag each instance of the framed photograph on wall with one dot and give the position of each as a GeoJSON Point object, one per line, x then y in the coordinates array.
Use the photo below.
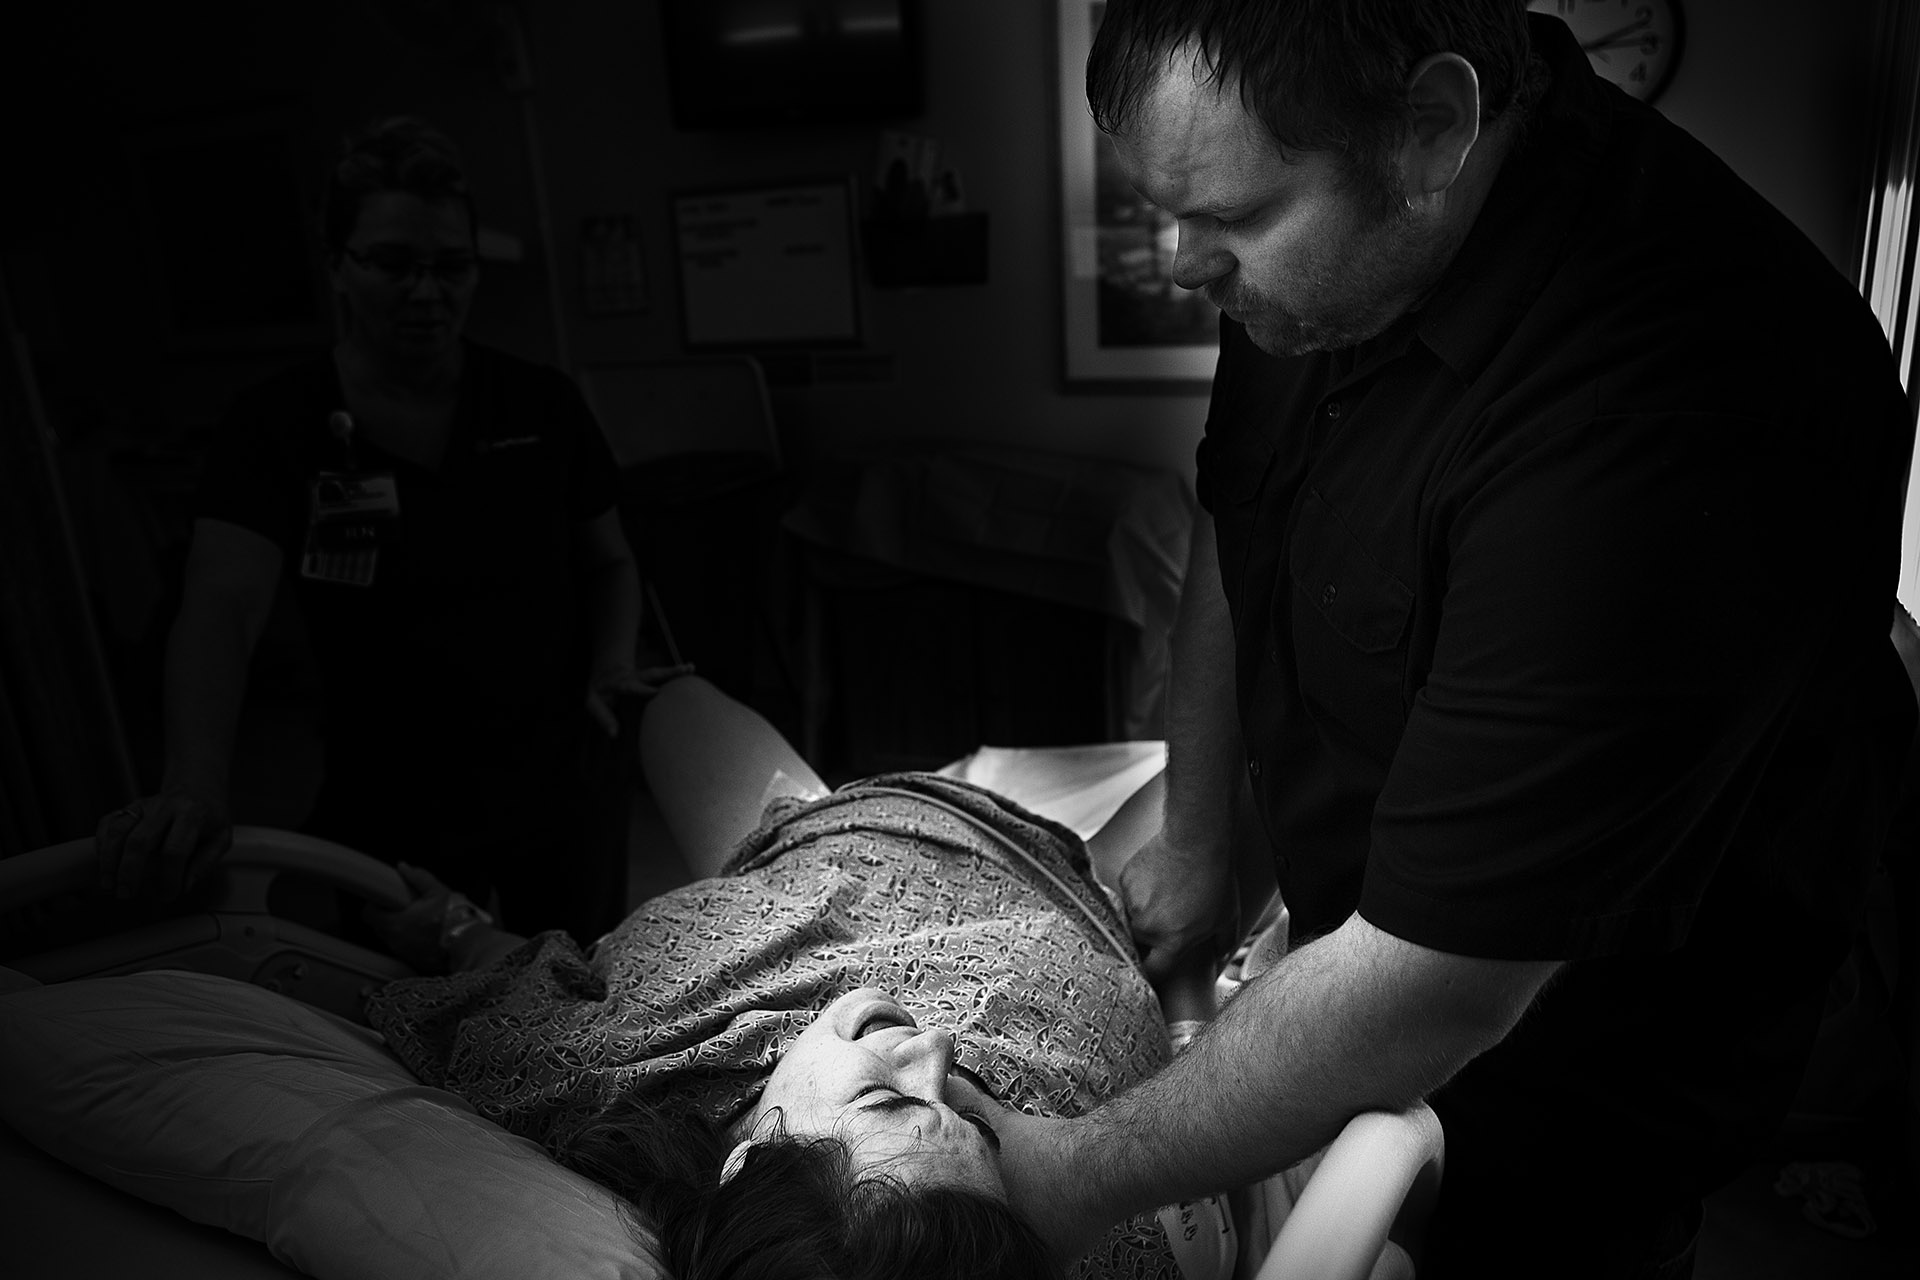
{"type": "Point", "coordinates": [768, 266]}
{"type": "Point", "coordinates": [1126, 320]}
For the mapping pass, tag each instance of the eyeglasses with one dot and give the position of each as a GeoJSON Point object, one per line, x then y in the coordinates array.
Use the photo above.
{"type": "Point", "coordinates": [402, 269]}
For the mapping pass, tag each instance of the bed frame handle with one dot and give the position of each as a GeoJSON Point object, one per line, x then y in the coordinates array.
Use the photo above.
{"type": "Point", "coordinates": [258, 854]}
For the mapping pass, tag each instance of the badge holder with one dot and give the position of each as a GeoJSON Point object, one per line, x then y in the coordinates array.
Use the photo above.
{"type": "Point", "coordinates": [350, 514]}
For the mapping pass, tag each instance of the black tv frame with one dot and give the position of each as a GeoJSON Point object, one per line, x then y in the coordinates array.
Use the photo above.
{"type": "Point", "coordinates": [707, 94]}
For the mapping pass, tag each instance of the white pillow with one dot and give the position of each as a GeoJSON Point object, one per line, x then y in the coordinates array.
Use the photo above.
{"type": "Point", "coordinates": [249, 1110]}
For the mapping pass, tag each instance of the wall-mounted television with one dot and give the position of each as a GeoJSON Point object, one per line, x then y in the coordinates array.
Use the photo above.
{"type": "Point", "coordinates": [754, 64]}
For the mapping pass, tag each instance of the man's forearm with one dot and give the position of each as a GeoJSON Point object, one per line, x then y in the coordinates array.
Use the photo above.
{"type": "Point", "coordinates": [1353, 1022]}
{"type": "Point", "coordinates": [1203, 736]}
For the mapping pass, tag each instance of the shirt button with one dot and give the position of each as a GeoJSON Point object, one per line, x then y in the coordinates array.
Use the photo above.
{"type": "Point", "coordinates": [1327, 594]}
{"type": "Point", "coordinates": [1253, 766]}
{"type": "Point", "coordinates": [1333, 410]}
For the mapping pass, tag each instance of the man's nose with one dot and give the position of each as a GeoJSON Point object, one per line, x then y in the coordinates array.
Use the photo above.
{"type": "Point", "coordinates": [924, 1061]}
{"type": "Point", "coordinates": [1198, 258]}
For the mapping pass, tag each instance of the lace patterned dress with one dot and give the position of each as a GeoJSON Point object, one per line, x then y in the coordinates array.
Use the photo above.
{"type": "Point", "coordinates": [974, 913]}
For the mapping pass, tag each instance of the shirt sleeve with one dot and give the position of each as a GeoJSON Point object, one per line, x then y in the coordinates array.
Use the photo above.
{"type": "Point", "coordinates": [592, 483]}
{"type": "Point", "coordinates": [1623, 641]}
{"type": "Point", "coordinates": [248, 476]}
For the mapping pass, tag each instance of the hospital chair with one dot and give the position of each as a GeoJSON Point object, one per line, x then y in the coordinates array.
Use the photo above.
{"type": "Point", "coordinates": [346, 1167]}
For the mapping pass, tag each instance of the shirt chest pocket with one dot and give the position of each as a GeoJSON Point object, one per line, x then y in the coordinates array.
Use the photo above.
{"type": "Point", "coordinates": [1234, 474]}
{"type": "Point", "coordinates": [1349, 627]}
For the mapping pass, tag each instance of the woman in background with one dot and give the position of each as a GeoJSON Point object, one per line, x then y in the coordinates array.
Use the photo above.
{"type": "Point", "coordinates": [444, 515]}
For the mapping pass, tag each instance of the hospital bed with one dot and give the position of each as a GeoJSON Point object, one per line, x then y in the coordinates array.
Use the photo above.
{"type": "Point", "coordinates": [174, 1097]}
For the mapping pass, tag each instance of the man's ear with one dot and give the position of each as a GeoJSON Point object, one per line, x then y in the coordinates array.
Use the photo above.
{"type": "Point", "coordinates": [1443, 102]}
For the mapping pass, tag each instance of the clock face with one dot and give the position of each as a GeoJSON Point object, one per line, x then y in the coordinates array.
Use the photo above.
{"type": "Point", "coordinates": [1634, 43]}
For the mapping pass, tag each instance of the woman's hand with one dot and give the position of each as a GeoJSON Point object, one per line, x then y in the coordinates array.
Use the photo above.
{"type": "Point", "coordinates": [1181, 905]}
{"type": "Point", "coordinates": [610, 685]}
{"type": "Point", "coordinates": [413, 932]}
{"type": "Point", "coordinates": [161, 845]}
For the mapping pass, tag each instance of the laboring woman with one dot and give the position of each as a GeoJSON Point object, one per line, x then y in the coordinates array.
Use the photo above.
{"type": "Point", "coordinates": [804, 1057]}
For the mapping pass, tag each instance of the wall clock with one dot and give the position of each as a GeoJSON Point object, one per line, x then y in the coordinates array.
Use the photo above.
{"type": "Point", "coordinates": [1634, 43]}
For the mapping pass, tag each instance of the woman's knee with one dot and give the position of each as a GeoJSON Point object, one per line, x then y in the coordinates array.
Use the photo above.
{"type": "Point", "coordinates": [680, 707]}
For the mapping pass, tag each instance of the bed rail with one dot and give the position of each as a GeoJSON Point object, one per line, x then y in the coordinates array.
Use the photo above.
{"type": "Point", "coordinates": [226, 925]}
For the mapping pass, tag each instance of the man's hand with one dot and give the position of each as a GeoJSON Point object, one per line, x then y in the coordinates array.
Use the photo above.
{"type": "Point", "coordinates": [161, 845]}
{"type": "Point", "coordinates": [1044, 1186]}
{"type": "Point", "coordinates": [1181, 905]}
{"type": "Point", "coordinates": [610, 685]}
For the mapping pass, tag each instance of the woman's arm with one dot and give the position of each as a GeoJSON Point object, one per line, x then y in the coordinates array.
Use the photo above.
{"type": "Point", "coordinates": [440, 931]}
{"type": "Point", "coordinates": [162, 843]}
{"type": "Point", "coordinates": [479, 946]}
{"type": "Point", "coordinates": [614, 606]}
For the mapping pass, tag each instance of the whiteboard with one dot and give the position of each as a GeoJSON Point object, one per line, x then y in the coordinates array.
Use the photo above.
{"type": "Point", "coordinates": [769, 265]}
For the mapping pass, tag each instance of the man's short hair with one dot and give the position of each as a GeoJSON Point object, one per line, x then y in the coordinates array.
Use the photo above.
{"type": "Point", "coordinates": [1320, 75]}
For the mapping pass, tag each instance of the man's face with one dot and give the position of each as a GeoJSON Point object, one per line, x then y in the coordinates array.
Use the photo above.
{"type": "Point", "coordinates": [1303, 256]}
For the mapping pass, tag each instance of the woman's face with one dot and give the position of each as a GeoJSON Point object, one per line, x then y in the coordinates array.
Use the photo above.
{"type": "Point", "coordinates": [407, 275]}
{"type": "Point", "coordinates": [865, 1072]}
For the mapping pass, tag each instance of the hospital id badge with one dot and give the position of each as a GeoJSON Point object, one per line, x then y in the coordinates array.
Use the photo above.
{"type": "Point", "coordinates": [349, 514]}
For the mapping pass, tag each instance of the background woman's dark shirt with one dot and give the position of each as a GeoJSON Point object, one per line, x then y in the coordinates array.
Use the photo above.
{"type": "Point", "coordinates": [454, 684]}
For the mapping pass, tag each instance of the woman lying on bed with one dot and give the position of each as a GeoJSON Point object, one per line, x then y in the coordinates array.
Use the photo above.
{"type": "Point", "coordinates": [805, 1057]}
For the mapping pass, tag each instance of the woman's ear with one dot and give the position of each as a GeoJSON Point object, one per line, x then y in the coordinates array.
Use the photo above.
{"type": "Point", "coordinates": [1443, 103]}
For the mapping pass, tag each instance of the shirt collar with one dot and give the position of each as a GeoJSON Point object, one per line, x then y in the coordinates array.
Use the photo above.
{"type": "Point", "coordinates": [1518, 238]}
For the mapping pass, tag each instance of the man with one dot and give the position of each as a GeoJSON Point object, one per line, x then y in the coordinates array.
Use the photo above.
{"type": "Point", "coordinates": [1541, 613]}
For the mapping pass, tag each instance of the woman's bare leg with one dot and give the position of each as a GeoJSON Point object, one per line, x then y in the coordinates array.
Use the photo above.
{"type": "Point", "coordinates": [712, 764]}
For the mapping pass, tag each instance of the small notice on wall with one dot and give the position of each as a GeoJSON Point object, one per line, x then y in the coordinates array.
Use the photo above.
{"type": "Point", "coordinates": [767, 265]}
{"type": "Point", "coordinates": [613, 266]}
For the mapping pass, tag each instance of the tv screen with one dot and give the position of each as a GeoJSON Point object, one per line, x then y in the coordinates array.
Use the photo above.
{"type": "Point", "coordinates": [743, 64]}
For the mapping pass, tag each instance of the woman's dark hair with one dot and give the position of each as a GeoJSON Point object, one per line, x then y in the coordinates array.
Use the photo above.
{"type": "Point", "coordinates": [1320, 75]}
{"type": "Point", "coordinates": [400, 153]}
{"type": "Point", "coordinates": [796, 1208]}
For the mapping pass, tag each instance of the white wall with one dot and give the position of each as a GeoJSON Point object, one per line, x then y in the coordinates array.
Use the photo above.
{"type": "Point", "coordinates": [1773, 90]}
{"type": "Point", "coordinates": [1774, 86]}
{"type": "Point", "coordinates": [1778, 89]}
{"type": "Point", "coordinates": [979, 363]}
